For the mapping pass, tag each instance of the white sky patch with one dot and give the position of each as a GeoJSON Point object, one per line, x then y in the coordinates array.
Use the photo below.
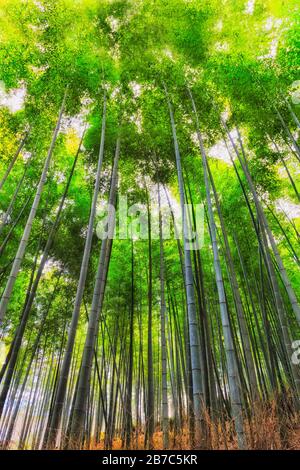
{"type": "Point", "coordinates": [194, 138]}
{"type": "Point", "coordinates": [291, 209]}
{"type": "Point", "coordinates": [249, 8]}
{"type": "Point", "coordinates": [84, 231]}
{"type": "Point", "coordinates": [219, 25]}
{"type": "Point", "coordinates": [77, 123]}
{"type": "Point", "coordinates": [89, 173]}
{"type": "Point", "coordinates": [41, 47]}
{"type": "Point", "coordinates": [269, 24]}
{"type": "Point", "coordinates": [272, 51]}
{"type": "Point", "coordinates": [113, 23]}
{"type": "Point", "coordinates": [281, 147]}
{"type": "Point", "coordinates": [38, 70]}
{"type": "Point", "coordinates": [136, 89]}
{"type": "Point", "coordinates": [50, 265]}
{"type": "Point", "coordinates": [40, 6]}
{"type": "Point", "coordinates": [294, 92]}
{"type": "Point", "coordinates": [226, 114]}
{"type": "Point", "coordinates": [165, 195]}
{"type": "Point", "coordinates": [176, 209]}
{"type": "Point", "coordinates": [35, 27]}
{"type": "Point", "coordinates": [68, 202]}
{"type": "Point", "coordinates": [137, 120]}
{"type": "Point", "coordinates": [168, 53]}
{"type": "Point", "coordinates": [274, 47]}
{"type": "Point", "coordinates": [272, 23]}
{"type": "Point", "coordinates": [26, 156]}
{"type": "Point", "coordinates": [3, 217]}
{"type": "Point", "coordinates": [191, 74]}
{"type": "Point", "coordinates": [13, 99]}
{"type": "Point", "coordinates": [115, 52]}
{"type": "Point", "coordinates": [296, 134]}
{"type": "Point", "coordinates": [282, 172]}
{"type": "Point", "coordinates": [115, 92]}
{"type": "Point", "coordinates": [219, 150]}
{"type": "Point", "coordinates": [222, 46]}
{"type": "Point", "coordinates": [59, 177]}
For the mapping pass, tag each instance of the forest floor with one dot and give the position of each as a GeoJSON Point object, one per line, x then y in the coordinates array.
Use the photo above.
{"type": "Point", "coordinates": [267, 438]}
{"type": "Point", "coordinates": [268, 430]}
{"type": "Point", "coordinates": [182, 443]}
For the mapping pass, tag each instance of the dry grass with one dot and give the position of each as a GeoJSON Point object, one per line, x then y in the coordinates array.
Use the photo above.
{"type": "Point", "coordinates": [271, 427]}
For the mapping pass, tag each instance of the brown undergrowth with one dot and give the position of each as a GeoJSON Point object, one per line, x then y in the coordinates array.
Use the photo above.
{"type": "Point", "coordinates": [272, 426]}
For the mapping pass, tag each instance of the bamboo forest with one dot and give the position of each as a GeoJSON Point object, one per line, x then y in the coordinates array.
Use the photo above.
{"type": "Point", "coordinates": [149, 224]}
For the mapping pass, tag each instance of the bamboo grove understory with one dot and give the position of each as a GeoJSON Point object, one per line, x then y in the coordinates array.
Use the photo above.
{"type": "Point", "coordinates": [150, 341]}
